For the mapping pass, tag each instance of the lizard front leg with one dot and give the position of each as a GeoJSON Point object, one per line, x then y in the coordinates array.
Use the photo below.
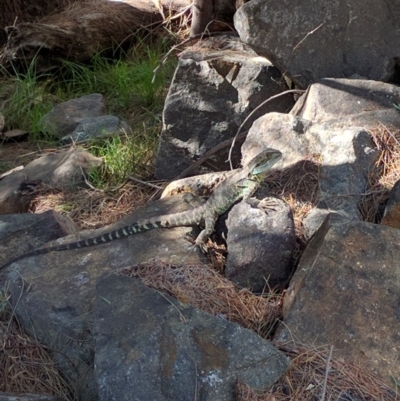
{"type": "Point", "coordinates": [209, 221]}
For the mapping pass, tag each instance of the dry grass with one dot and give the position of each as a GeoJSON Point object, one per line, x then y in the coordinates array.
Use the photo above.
{"type": "Point", "coordinates": [383, 174]}
{"type": "Point", "coordinates": [177, 24]}
{"type": "Point", "coordinates": [298, 186]}
{"type": "Point", "coordinates": [25, 366]}
{"type": "Point", "coordinates": [314, 375]}
{"type": "Point", "coordinates": [17, 154]}
{"type": "Point", "coordinates": [202, 287]}
{"type": "Point", "coordinates": [90, 208]}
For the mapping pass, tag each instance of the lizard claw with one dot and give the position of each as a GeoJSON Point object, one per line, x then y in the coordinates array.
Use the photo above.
{"type": "Point", "coordinates": [203, 247]}
{"type": "Point", "coordinates": [194, 247]}
{"type": "Point", "coordinates": [196, 244]}
{"type": "Point", "coordinates": [269, 204]}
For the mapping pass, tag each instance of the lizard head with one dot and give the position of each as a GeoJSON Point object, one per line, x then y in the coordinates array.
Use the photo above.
{"type": "Point", "coordinates": [264, 161]}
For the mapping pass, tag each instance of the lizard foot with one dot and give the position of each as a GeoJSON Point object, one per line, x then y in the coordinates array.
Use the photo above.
{"type": "Point", "coordinates": [194, 244]}
{"type": "Point", "coordinates": [265, 204]}
{"type": "Point", "coordinates": [269, 203]}
{"type": "Point", "coordinates": [202, 246]}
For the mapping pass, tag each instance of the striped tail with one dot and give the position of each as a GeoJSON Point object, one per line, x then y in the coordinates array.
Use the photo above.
{"type": "Point", "coordinates": [107, 237]}
{"type": "Point", "coordinates": [173, 220]}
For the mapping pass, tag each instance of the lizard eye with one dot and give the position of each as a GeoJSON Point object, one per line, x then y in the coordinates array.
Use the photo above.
{"type": "Point", "coordinates": [264, 160]}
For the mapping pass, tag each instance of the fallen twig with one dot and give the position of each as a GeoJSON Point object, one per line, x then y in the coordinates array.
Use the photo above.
{"type": "Point", "coordinates": [328, 364]}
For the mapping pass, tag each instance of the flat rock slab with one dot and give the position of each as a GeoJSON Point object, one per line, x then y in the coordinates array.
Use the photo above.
{"type": "Point", "coordinates": [346, 293]}
{"type": "Point", "coordinates": [349, 102]}
{"type": "Point", "coordinates": [53, 293]}
{"type": "Point", "coordinates": [310, 40]}
{"type": "Point", "coordinates": [151, 347]}
{"type": "Point", "coordinates": [22, 233]}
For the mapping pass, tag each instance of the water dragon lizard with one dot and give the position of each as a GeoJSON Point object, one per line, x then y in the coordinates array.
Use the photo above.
{"type": "Point", "coordinates": [240, 184]}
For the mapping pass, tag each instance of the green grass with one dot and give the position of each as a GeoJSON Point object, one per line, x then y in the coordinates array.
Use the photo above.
{"type": "Point", "coordinates": [24, 103]}
{"type": "Point", "coordinates": [128, 91]}
{"type": "Point", "coordinates": [126, 82]}
{"type": "Point", "coordinates": [124, 155]}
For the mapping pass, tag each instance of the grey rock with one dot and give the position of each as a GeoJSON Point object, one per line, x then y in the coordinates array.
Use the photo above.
{"type": "Point", "coordinates": [333, 121]}
{"type": "Point", "coordinates": [61, 169]}
{"type": "Point", "coordinates": [28, 397]}
{"type": "Point", "coordinates": [313, 40]}
{"type": "Point", "coordinates": [65, 117]}
{"type": "Point", "coordinates": [346, 160]}
{"type": "Point", "coordinates": [151, 347]}
{"type": "Point", "coordinates": [345, 293]}
{"type": "Point", "coordinates": [315, 218]}
{"type": "Point", "coordinates": [96, 127]}
{"type": "Point", "coordinates": [349, 102]}
{"type": "Point", "coordinates": [21, 233]}
{"type": "Point", "coordinates": [57, 308]}
{"type": "Point", "coordinates": [260, 244]}
{"type": "Point", "coordinates": [391, 215]}
{"type": "Point", "coordinates": [58, 170]}
{"type": "Point", "coordinates": [212, 93]}
{"type": "Point", "coordinates": [279, 131]}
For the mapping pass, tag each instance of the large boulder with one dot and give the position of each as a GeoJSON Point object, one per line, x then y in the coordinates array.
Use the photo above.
{"type": "Point", "coordinates": [149, 346]}
{"type": "Point", "coordinates": [214, 89]}
{"type": "Point", "coordinates": [332, 123]}
{"type": "Point", "coordinates": [36, 230]}
{"type": "Point", "coordinates": [345, 293]}
{"type": "Point", "coordinates": [310, 40]}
